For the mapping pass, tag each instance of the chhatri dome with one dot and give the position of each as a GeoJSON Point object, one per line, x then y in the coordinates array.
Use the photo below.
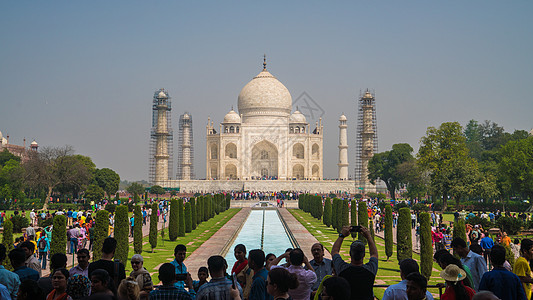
{"type": "Point", "coordinates": [297, 117]}
{"type": "Point", "coordinates": [232, 117]}
{"type": "Point", "coordinates": [162, 95]}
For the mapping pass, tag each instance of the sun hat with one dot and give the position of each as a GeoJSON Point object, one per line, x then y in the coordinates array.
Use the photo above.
{"type": "Point", "coordinates": [453, 273]}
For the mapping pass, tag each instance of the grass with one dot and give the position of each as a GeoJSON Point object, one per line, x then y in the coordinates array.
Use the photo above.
{"type": "Point", "coordinates": [388, 271]}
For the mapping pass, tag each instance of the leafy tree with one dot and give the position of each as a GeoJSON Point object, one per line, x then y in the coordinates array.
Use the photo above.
{"type": "Point", "coordinates": [94, 193]}
{"type": "Point", "coordinates": [157, 190]}
{"type": "Point", "coordinates": [384, 166]}
{"type": "Point", "coordinates": [404, 242]}
{"type": "Point", "coordinates": [122, 233]}
{"type": "Point", "coordinates": [11, 180]}
{"type": "Point", "coordinates": [101, 230]}
{"type": "Point", "coordinates": [173, 221]}
{"type": "Point", "coordinates": [426, 250]}
{"type": "Point", "coordinates": [389, 242]}
{"type": "Point", "coordinates": [362, 218]}
{"type": "Point", "coordinates": [59, 236]}
{"type": "Point", "coordinates": [7, 241]}
{"type": "Point", "coordinates": [416, 179]}
{"type": "Point", "coordinates": [327, 212]}
{"type": "Point", "coordinates": [108, 180]}
{"type": "Point", "coordinates": [153, 227]}
{"type": "Point", "coordinates": [135, 188]}
{"type": "Point", "coordinates": [188, 217]}
{"type": "Point", "coordinates": [181, 218]}
{"type": "Point", "coordinates": [6, 156]}
{"type": "Point", "coordinates": [138, 230]}
{"type": "Point", "coordinates": [459, 229]}
{"type": "Point", "coordinates": [516, 166]}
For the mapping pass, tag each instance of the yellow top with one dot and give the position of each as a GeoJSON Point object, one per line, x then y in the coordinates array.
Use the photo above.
{"type": "Point", "coordinates": [521, 268]}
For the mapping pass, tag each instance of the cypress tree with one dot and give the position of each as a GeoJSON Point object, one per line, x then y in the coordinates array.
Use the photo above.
{"type": "Point", "coordinates": [459, 229]}
{"type": "Point", "coordinates": [362, 212]}
{"type": "Point", "coordinates": [404, 242]}
{"type": "Point", "coordinates": [353, 216]}
{"type": "Point", "coordinates": [101, 231]}
{"type": "Point", "coordinates": [327, 212]}
{"type": "Point", "coordinates": [7, 241]}
{"type": "Point", "coordinates": [59, 235]}
{"type": "Point", "coordinates": [218, 203]}
{"type": "Point", "coordinates": [138, 230]}
{"type": "Point", "coordinates": [173, 222]}
{"type": "Point", "coordinates": [371, 227]}
{"type": "Point", "coordinates": [153, 228]}
{"type": "Point", "coordinates": [334, 213]}
{"type": "Point", "coordinates": [345, 213]}
{"type": "Point", "coordinates": [389, 243]}
{"type": "Point", "coordinates": [188, 217]}
{"type": "Point", "coordinates": [121, 233]}
{"type": "Point", "coordinates": [320, 208]}
{"type": "Point", "coordinates": [200, 209]}
{"type": "Point", "coordinates": [228, 201]}
{"type": "Point", "coordinates": [194, 220]}
{"type": "Point", "coordinates": [181, 218]}
{"type": "Point", "coordinates": [426, 247]}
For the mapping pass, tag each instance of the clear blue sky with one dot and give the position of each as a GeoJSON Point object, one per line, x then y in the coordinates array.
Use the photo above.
{"type": "Point", "coordinates": [83, 73]}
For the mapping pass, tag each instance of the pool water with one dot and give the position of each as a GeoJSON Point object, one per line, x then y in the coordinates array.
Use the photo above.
{"type": "Point", "coordinates": [275, 239]}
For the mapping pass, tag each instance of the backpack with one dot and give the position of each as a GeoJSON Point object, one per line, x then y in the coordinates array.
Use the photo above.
{"type": "Point", "coordinates": [42, 244]}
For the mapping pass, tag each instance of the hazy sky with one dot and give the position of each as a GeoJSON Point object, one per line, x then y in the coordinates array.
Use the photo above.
{"type": "Point", "coordinates": [83, 73]}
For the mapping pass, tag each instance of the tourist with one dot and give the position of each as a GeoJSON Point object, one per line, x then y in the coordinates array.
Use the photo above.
{"type": "Point", "coordinates": [17, 257]}
{"type": "Point", "coordinates": [106, 262]}
{"type": "Point", "coordinates": [416, 287]}
{"type": "Point", "coordinates": [28, 290]}
{"type": "Point", "coordinates": [399, 290]}
{"type": "Point", "coordinates": [168, 289]}
{"type": "Point", "coordinates": [486, 243]}
{"type": "Point", "coordinates": [101, 284]}
{"type": "Point", "coordinates": [59, 282]}
{"type": "Point", "coordinates": [31, 261]}
{"type": "Point", "coordinates": [44, 247]}
{"type": "Point", "coordinates": [8, 278]}
{"type": "Point", "coordinates": [515, 248]}
{"type": "Point", "coordinates": [522, 268]}
{"type": "Point", "coordinates": [78, 286]}
{"type": "Point", "coordinates": [448, 259]}
{"type": "Point", "coordinates": [128, 289]}
{"type": "Point", "coordinates": [473, 261]}
{"type": "Point", "coordinates": [360, 276]}
{"type": "Point", "coordinates": [219, 286]}
{"type": "Point", "coordinates": [500, 281]}
{"type": "Point", "coordinates": [269, 259]}
{"type": "Point", "coordinates": [132, 223]}
{"type": "Point", "coordinates": [322, 266]}
{"type": "Point", "coordinates": [141, 275]}
{"type": "Point", "coordinates": [506, 240]}
{"type": "Point", "coordinates": [306, 277]}
{"type": "Point", "coordinates": [455, 289]}
{"type": "Point", "coordinates": [256, 261]}
{"type": "Point", "coordinates": [203, 274]}
{"type": "Point", "coordinates": [82, 268]}
{"type": "Point", "coordinates": [30, 231]}
{"type": "Point", "coordinates": [241, 270]}
{"type": "Point", "coordinates": [180, 252]}
{"type": "Point", "coordinates": [279, 281]}
{"type": "Point", "coordinates": [57, 261]}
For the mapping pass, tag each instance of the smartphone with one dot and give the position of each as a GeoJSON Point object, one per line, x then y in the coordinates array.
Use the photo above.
{"type": "Point", "coordinates": [355, 228]}
{"type": "Point", "coordinates": [234, 280]}
{"type": "Point", "coordinates": [181, 277]}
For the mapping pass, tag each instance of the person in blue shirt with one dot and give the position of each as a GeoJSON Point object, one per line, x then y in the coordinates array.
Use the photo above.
{"type": "Point", "coordinates": [399, 290]}
{"type": "Point", "coordinates": [180, 252]}
{"type": "Point", "coordinates": [18, 257]}
{"type": "Point", "coordinates": [43, 244]}
{"type": "Point", "coordinates": [8, 278]}
{"type": "Point", "coordinates": [486, 243]}
{"type": "Point", "coordinates": [256, 262]}
{"type": "Point", "coordinates": [504, 284]}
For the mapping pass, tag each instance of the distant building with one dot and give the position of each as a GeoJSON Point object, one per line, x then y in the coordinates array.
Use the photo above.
{"type": "Point", "coordinates": [20, 151]}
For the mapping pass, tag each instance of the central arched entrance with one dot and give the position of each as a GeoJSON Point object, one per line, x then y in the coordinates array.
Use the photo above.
{"type": "Point", "coordinates": [264, 160]}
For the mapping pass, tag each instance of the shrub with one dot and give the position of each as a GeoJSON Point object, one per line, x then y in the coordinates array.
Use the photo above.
{"type": "Point", "coordinates": [485, 223]}
{"type": "Point", "coordinates": [59, 235]}
{"type": "Point", "coordinates": [200, 209]}
{"type": "Point", "coordinates": [362, 219]}
{"type": "Point", "coordinates": [404, 242]}
{"type": "Point", "coordinates": [400, 205]}
{"type": "Point", "coordinates": [43, 223]}
{"type": "Point", "coordinates": [327, 212]}
{"type": "Point", "coordinates": [353, 216]}
{"type": "Point", "coordinates": [7, 241]}
{"type": "Point", "coordinates": [389, 242]}
{"type": "Point", "coordinates": [345, 213]}
{"type": "Point", "coordinates": [334, 213]}
{"type": "Point", "coordinates": [19, 222]}
{"type": "Point", "coordinates": [218, 203]}
{"type": "Point", "coordinates": [152, 237]}
{"type": "Point", "coordinates": [426, 247]}
{"type": "Point", "coordinates": [111, 208]}
{"type": "Point", "coordinates": [173, 221]}
{"type": "Point", "coordinates": [510, 225]}
{"type": "Point", "coordinates": [228, 201]}
{"type": "Point", "coordinates": [509, 256]}
{"type": "Point", "coordinates": [122, 228]}
{"type": "Point", "coordinates": [459, 229]}
{"type": "Point", "coordinates": [420, 207]}
{"type": "Point", "coordinates": [181, 218]}
{"type": "Point", "coordinates": [138, 230]}
{"type": "Point", "coordinates": [188, 217]}
{"type": "Point", "coordinates": [101, 230]}
{"type": "Point", "coordinates": [194, 220]}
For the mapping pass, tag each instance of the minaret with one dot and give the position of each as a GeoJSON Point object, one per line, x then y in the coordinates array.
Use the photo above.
{"type": "Point", "coordinates": [343, 148]}
{"type": "Point", "coordinates": [161, 134]}
{"type": "Point", "coordinates": [185, 160]}
{"type": "Point", "coordinates": [366, 139]}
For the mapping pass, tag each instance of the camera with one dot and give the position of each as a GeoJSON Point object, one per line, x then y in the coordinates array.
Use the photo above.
{"type": "Point", "coordinates": [181, 277]}
{"type": "Point", "coordinates": [355, 228]}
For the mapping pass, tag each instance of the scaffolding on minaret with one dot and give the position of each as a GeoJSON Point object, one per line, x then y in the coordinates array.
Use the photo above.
{"type": "Point", "coordinates": [161, 139]}
{"type": "Point", "coordinates": [366, 139]}
{"type": "Point", "coordinates": [185, 148]}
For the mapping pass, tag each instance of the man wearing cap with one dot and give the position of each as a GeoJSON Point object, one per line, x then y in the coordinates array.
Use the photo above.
{"type": "Point", "coordinates": [360, 276]}
{"type": "Point", "coordinates": [399, 290]}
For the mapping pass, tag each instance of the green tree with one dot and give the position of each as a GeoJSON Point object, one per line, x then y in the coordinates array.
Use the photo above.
{"type": "Point", "coordinates": [194, 215]}
{"type": "Point", "coordinates": [6, 156]}
{"type": "Point", "coordinates": [173, 222]}
{"type": "Point", "coordinates": [59, 235]}
{"type": "Point", "coordinates": [353, 216]}
{"type": "Point", "coordinates": [101, 230]}
{"type": "Point", "coordinates": [138, 230]}
{"type": "Point", "coordinates": [181, 218]}
{"type": "Point", "coordinates": [135, 188]}
{"type": "Point", "coordinates": [404, 242]}
{"type": "Point", "coordinates": [94, 193]}
{"type": "Point", "coordinates": [389, 242]}
{"type": "Point", "coordinates": [362, 219]}
{"type": "Point", "coordinates": [426, 250]}
{"type": "Point", "coordinates": [516, 166]}
{"type": "Point", "coordinates": [459, 229]}
{"type": "Point", "coordinates": [7, 241]}
{"type": "Point", "coordinates": [122, 233]}
{"type": "Point", "coordinates": [108, 180]}
{"type": "Point", "coordinates": [157, 190]}
{"type": "Point", "coordinates": [384, 166]}
{"type": "Point", "coordinates": [153, 227]}
{"type": "Point", "coordinates": [188, 217]}
{"type": "Point", "coordinates": [334, 213]}
{"type": "Point", "coordinates": [416, 179]}
{"type": "Point", "coordinates": [327, 212]}
{"type": "Point", "coordinates": [11, 180]}
{"type": "Point", "coordinates": [345, 213]}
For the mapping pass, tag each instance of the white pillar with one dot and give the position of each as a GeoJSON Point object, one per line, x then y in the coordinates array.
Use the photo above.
{"type": "Point", "coordinates": [343, 149]}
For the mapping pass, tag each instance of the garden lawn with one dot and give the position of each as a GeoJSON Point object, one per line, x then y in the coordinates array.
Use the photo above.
{"type": "Point", "coordinates": [388, 271]}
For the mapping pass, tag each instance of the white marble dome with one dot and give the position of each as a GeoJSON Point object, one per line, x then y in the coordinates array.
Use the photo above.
{"type": "Point", "coordinates": [232, 117]}
{"type": "Point", "coordinates": [297, 117]}
{"type": "Point", "coordinates": [343, 118]}
{"type": "Point", "coordinates": [265, 95]}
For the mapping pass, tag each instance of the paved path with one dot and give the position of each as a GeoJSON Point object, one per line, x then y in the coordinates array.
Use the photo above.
{"type": "Point", "coordinates": [415, 248]}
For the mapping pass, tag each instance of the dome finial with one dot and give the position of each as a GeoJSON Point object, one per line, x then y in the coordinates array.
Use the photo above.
{"type": "Point", "coordinates": [264, 62]}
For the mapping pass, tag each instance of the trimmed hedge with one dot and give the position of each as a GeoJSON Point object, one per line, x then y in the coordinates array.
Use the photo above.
{"type": "Point", "coordinates": [194, 215]}
{"type": "Point", "coordinates": [138, 230]}
{"type": "Point", "coordinates": [459, 229]}
{"type": "Point", "coordinates": [181, 218]}
{"type": "Point", "coordinates": [101, 229]}
{"type": "Point", "coordinates": [426, 245]}
{"type": "Point", "coordinates": [362, 212]}
{"type": "Point", "coordinates": [334, 213]}
{"type": "Point", "coordinates": [7, 241]}
{"type": "Point", "coordinates": [389, 242]}
{"type": "Point", "coordinates": [188, 217]}
{"type": "Point", "coordinates": [59, 236]}
{"type": "Point", "coordinates": [122, 233]}
{"type": "Point", "coordinates": [345, 213]}
{"type": "Point", "coordinates": [327, 212]}
{"type": "Point", "coordinates": [404, 242]}
{"type": "Point", "coordinates": [173, 221]}
{"type": "Point", "coordinates": [353, 216]}
{"type": "Point", "coordinates": [152, 237]}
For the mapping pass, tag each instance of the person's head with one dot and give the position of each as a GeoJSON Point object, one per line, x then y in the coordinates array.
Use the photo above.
{"type": "Point", "coordinates": [336, 288]}
{"type": "Point", "coordinates": [497, 255]}
{"type": "Point", "coordinates": [28, 248]}
{"type": "Point", "coordinates": [526, 249]}
{"type": "Point", "coordinates": [180, 251]}
{"type": "Point", "coordinates": [58, 261]}
{"type": "Point", "coordinates": [280, 280]}
{"type": "Point", "coordinates": [448, 259]}
{"type": "Point", "coordinates": [203, 274]}
{"type": "Point", "coordinates": [416, 286]}
{"type": "Point", "coordinates": [459, 247]}
{"type": "Point", "coordinates": [438, 254]}
{"type": "Point", "coordinates": [100, 281]}
{"type": "Point", "coordinates": [78, 286]}
{"type": "Point", "coordinates": [269, 258]}
{"type": "Point", "coordinates": [137, 262]}
{"type": "Point", "coordinates": [256, 259]}
{"type": "Point", "coordinates": [240, 252]}
{"type": "Point", "coordinates": [357, 251]}
{"type": "Point", "coordinates": [485, 295]}
{"type": "Point", "coordinates": [217, 266]}
{"type": "Point", "coordinates": [318, 251]}
{"type": "Point", "coordinates": [17, 257]}
{"type": "Point", "coordinates": [296, 257]}
{"type": "Point", "coordinates": [59, 279]}
{"type": "Point", "coordinates": [167, 273]}
{"type": "Point", "coordinates": [516, 241]}
{"type": "Point", "coordinates": [109, 246]}
{"type": "Point", "coordinates": [408, 266]}
{"type": "Point", "coordinates": [128, 289]}
{"type": "Point", "coordinates": [30, 290]}
{"type": "Point", "coordinates": [476, 248]}
{"type": "Point", "coordinates": [83, 257]}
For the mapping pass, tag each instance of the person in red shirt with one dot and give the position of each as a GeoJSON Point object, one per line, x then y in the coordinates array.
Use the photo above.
{"type": "Point", "coordinates": [455, 289]}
